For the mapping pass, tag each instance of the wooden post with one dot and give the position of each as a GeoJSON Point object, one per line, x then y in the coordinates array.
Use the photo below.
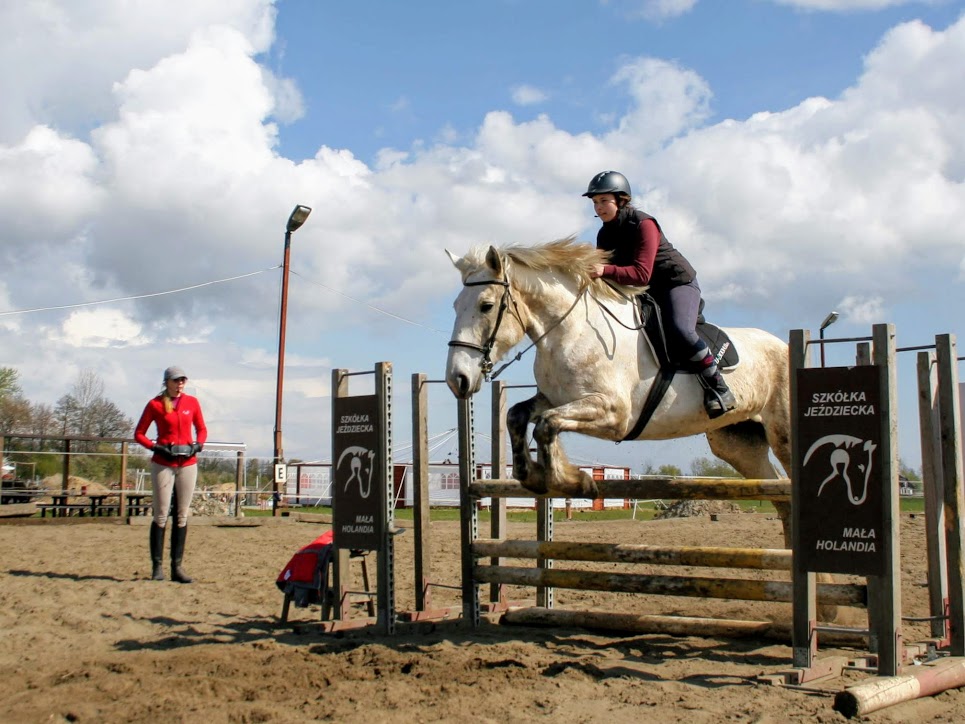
{"type": "Point", "coordinates": [66, 469]}
{"type": "Point", "coordinates": [420, 489]}
{"type": "Point", "coordinates": [122, 496]}
{"type": "Point", "coordinates": [804, 607]}
{"type": "Point", "coordinates": [863, 357]}
{"type": "Point", "coordinates": [950, 426]}
{"type": "Point", "coordinates": [888, 623]}
{"type": "Point", "coordinates": [497, 506]}
{"type": "Point", "coordinates": [239, 481]}
{"type": "Point", "coordinates": [340, 569]}
{"type": "Point", "coordinates": [931, 475]}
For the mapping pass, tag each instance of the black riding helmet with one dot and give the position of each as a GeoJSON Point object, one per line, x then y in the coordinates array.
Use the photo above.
{"type": "Point", "coordinates": [609, 182]}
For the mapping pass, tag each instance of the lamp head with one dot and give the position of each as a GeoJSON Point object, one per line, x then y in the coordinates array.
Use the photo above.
{"type": "Point", "coordinates": [829, 320]}
{"type": "Point", "coordinates": [297, 218]}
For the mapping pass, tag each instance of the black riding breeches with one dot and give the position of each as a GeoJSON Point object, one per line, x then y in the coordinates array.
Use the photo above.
{"type": "Point", "coordinates": [679, 306]}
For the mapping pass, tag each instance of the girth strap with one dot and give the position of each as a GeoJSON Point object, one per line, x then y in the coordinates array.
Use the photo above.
{"type": "Point", "coordinates": [657, 391]}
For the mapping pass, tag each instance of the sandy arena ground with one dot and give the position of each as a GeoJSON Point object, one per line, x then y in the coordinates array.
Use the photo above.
{"type": "Point", "coordinates": [88, 638]}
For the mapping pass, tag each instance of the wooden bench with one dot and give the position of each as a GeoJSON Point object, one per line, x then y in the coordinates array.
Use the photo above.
{"type": "Point", "coordinates": [63, 509]}
{"type": "Point", "coordinates": [115, 509]}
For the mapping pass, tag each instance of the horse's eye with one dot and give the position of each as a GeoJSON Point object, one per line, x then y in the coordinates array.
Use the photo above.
{"type": "Point", "coordinates": [486, 307]}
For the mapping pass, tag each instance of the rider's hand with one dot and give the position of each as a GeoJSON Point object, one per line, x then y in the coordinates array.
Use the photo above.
{"type": "Point", "coordinates": [596, 271]}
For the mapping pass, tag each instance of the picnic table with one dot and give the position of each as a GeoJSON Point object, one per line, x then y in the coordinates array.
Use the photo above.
{"type": "Point", "coordinates": [94, 504]}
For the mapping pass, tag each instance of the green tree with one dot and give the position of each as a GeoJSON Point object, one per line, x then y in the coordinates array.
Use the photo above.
{"type": "Point", "coordinates": [712, 468]}
{"type": "Point", "coordinates": [9, 384]}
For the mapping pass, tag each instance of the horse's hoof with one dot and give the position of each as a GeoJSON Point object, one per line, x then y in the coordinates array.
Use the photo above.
{"type": "Point", "coordinates": [589, 488]}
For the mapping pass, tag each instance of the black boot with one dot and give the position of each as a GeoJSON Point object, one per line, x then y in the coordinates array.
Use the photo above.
{"type": "Point", "coordinates": [718, 398]}
{"type": "Point", "coordinates": [178, 536]}
{"type": "Point", "coordinates": [157, 551]}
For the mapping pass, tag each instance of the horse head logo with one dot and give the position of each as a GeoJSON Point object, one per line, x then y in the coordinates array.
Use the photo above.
{"type": "Point", "coordinates": [841, 462]}
{"type": "Point", "coordinates": [361, 462]}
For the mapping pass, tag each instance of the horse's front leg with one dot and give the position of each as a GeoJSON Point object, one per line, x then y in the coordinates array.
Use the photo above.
{"type": "Point", "coordinates": [517, 424]}
{"type": "Point", "coordinates": [589, 416]}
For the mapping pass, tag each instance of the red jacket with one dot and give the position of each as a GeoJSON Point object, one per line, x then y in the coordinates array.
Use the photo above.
{"type": "Point", "coordinates": [173, 428]}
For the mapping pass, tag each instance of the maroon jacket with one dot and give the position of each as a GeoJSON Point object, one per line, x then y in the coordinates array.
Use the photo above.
{"type": "Point", "coordinates": [641, 254]}
{"type": "Point", "coordinates": [173, 428]}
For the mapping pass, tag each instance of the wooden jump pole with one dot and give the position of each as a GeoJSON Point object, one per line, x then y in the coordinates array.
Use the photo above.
{"type": "Point", "coordinates": [630, 623]}
{"type": "Point", "coordinates": [840, 594]}
{"type": "Point", "coordinates": [882, 692]}
{"type": "Point", "coordinates": [669, 488]}
{"type": "Point", "coordinates": [775, 559]}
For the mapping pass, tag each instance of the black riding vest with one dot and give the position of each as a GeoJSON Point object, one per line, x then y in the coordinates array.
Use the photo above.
{"type": "Point", "coordinates": [622, 237]}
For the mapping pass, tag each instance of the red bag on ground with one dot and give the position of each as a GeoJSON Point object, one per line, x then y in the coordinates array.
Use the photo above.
{"type": "Point", "coordinates": [305, 575]}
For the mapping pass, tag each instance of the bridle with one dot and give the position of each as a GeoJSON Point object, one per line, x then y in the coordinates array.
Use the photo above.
{"type": "Point", "coordinates": [486, 363]}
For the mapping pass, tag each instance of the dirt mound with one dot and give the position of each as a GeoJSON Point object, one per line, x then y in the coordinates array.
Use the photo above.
{"type": "Point", "coordinates": [695, 508]}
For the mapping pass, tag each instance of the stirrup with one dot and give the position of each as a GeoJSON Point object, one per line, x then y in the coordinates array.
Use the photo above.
{"type": "Point", "coordinates": [717, 400]}
{"type": "Point", "coordinates": [717, 403]}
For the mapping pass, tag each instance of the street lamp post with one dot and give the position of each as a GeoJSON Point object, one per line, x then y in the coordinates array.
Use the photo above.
{"type": "Point", "coordinates": [828, 321]}
{"type": "Point", "coordinates": [295, 220]}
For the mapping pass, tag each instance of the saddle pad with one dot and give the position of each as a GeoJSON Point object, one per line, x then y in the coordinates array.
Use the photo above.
{"type": "Point", "coordinates": [725, 353]}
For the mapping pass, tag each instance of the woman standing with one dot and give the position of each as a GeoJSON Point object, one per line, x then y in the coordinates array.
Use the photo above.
{"type": "Point", "coordinates": [174, 468]}
{"type": "Point", "coordinates": [642, 256]}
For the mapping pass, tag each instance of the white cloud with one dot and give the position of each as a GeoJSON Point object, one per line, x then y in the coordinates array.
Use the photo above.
{"type": "Point", "coordinates": [99, 328]}
{"type": "Point", "coordinates": [862, 310]}
{"type": "Point", "coordinates": [58, 59]}
{"type": "Point", "coordinates": [846, 5]}
{"type": "Point", "coordinates": [527, 95]}
{"type": "Point", "coordinates": [654, 9]}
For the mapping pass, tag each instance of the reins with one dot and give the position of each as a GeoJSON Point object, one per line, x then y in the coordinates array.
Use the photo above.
{"type": "Point", "coordinates": [535, 342]}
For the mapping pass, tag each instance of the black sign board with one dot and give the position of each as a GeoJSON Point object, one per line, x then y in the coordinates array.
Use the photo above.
{"type": "Point", "coordinates": [358, 479]}
{"type": "Point", "coordinates": [841, 512]}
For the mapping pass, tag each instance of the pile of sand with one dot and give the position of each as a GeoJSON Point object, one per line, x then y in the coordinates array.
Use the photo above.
{"type": "Point", "coordinates": [695, 508]}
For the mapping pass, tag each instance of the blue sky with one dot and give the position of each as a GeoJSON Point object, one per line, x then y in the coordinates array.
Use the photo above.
{"type": "Point", "coordinates": [806, 155]}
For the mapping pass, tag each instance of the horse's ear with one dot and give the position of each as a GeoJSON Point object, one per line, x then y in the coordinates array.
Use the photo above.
{"type": "Point", "coordinates": [495, 262]}
{"type": "Point", "coordinates": [457, 261]}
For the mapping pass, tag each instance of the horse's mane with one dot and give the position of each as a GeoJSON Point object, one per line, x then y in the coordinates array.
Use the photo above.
{"type": "Point", "coordinates": [563, 256]}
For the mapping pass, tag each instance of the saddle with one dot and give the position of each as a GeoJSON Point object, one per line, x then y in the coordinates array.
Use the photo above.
{"type": "Point", "coordinates": [651, 324]}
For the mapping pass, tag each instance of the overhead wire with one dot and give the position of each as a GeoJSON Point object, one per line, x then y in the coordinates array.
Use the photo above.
{"type": "Point", "coordinates": [210, 283]}
{"type": "Point", "coordinates": [138, 296]}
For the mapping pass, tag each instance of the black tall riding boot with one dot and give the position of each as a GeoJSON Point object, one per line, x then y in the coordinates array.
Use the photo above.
{"type": "Point", "coordinates": [178, 536]}
{"type": "Point", "coordinates": [157, 551]}
{"type": "Point", "coordinates": [718, 398]}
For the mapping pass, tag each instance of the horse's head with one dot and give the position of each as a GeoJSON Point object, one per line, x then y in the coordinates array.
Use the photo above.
{"type": "Point", "coordinates": [487, 320]}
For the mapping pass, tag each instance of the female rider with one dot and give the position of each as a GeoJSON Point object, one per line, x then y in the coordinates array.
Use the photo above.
{"type": "Point", "coordinates": [642, 256]}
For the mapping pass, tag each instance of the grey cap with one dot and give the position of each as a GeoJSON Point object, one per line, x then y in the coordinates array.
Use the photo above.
{"type": "Point", "coordinates": [173, 373]}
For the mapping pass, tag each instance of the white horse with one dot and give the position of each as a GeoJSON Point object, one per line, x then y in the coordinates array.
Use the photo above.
{"type": "Point", "coordinates": [594, 369]}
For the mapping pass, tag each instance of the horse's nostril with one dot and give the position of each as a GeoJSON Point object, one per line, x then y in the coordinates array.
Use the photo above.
{"type": "Point", "coordinates": [463, 385]}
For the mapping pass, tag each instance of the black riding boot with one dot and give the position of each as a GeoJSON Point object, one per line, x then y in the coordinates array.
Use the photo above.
{"type": "Point", "coordinates": [718, 398]}
{"type": "Point", "coordinates": [178, 536]}
{"type": "Point", "coordinates": [157, 551]}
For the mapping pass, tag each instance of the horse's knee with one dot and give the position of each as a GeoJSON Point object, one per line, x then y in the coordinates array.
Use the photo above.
{"type": "Point", "coordinates": [518, 416]}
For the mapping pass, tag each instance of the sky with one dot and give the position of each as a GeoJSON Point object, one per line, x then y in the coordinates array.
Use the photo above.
{"type": "Point", "coordinates": [805, 155]}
